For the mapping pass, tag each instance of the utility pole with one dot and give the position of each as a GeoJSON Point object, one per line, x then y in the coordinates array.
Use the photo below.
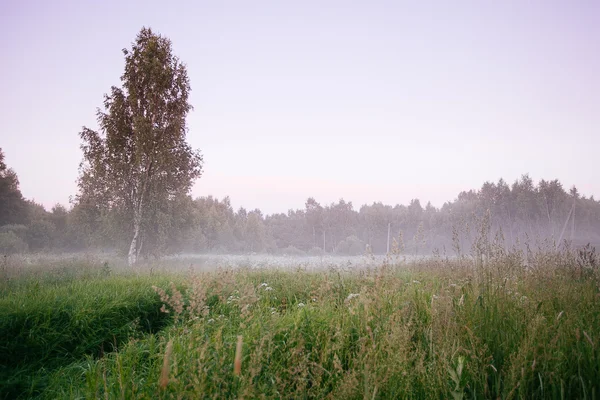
{"type": "Point", "coordinates": [388, 239]}
{"type": "Point", "coordinates": [573, 224]}
{"type": "Point", "coordinates": [566, 223]}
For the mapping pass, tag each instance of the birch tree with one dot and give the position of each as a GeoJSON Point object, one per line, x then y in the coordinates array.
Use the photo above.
{"type": "Point", "coordinates": [140, 159]}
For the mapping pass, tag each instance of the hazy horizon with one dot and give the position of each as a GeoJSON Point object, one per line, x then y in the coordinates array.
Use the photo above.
{"type": "Point", "coordinates": [367, 102]}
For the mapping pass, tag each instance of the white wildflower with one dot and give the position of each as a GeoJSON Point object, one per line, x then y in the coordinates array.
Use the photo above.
{"type": "Point", "coordinates": [351, 296]}
{"type": "Point", "coordinates": [300, 305]}
{"type": "Point", "coordinates": [210, 321]}
{"type": "Point", "coordinates": [414, 281]}
{"type": "Point", "coordinates": [268, 288]}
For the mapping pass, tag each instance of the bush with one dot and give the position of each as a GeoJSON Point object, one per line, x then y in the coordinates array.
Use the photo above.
{"type": "Point", "coordinates": [10, 243]}
{"type": "Point", "coordinates": [19, 230]}
{"type": "Point", "coordinates": [351, 246]}
{"type": "Point", "coordinates": [293, 251]}
{"type": "Point", "coordinates": [40, 235]}
{"type": "Point", "coordinates": [316, 251]}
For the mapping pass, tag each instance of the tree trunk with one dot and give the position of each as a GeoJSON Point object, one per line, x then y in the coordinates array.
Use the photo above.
{"type": "Point", "coordinates": [137, 222]}
{"type": "Point", "coordinates": [132, 258]}
{"type": "Point", "coordinates": [139, 246]}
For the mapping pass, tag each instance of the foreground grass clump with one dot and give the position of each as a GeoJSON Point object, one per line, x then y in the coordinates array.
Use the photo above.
{"type": "Point", "coordinates": [53, 321]}
{"type": "Point", "coordinates": [438, 329]}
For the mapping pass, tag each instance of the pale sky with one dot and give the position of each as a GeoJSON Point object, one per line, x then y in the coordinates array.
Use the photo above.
{"type": "Point", "coordinates": [365, 100]}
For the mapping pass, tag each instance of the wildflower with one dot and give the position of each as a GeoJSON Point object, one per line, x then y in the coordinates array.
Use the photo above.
{"type": "Point", "coordinates": [414, 281]}
{"type": "Point", "coordinates": [314, 299]}
{"type": "Point", "coordinates": [523, 299]}
{"type": "Point", "coordinates": [351, 296]}
{"type": "Point", "coordinates": [300, 305]}
{"type": "Point", "coordinates": [210, 321]}
{"type": "Point", "coordinates": [268, 288]}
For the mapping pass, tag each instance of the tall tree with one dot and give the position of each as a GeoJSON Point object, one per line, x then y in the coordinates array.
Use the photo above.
{"type": "Point", "coordinates": [140, 158]}
{"type": "Point", "coordinates": [314, 218]}
{"type": "Point", "coordinates": [13, 207]}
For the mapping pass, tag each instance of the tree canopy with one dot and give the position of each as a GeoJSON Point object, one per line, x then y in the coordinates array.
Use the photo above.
{"type": "Point", "coordinates": [12, 204]}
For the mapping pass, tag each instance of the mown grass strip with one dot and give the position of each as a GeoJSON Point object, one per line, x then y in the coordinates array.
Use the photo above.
{"type": "Point", "coordinates": [48, 324]}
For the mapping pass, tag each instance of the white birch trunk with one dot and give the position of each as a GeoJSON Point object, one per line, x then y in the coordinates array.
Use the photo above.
{"type": "Point", "coordinates": [137, 222]}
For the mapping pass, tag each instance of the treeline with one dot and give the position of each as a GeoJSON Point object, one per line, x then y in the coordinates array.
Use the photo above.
{"type": "Point", "coordinates": [523, 212]}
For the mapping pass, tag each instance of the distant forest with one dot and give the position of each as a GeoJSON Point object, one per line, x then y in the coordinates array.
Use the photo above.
{"type": "Point", "coordinates": [524, 212]}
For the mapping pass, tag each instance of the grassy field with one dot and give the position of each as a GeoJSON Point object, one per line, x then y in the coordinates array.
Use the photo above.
{"type": "Point", "coordinates": [512, 326]}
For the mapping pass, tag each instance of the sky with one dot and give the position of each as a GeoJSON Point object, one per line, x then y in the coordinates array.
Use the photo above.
{"type": "Point", "coordinates": [362, 100]}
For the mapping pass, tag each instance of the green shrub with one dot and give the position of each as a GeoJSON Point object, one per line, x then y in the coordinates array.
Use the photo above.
{"type": "Point", "coordinates": [351, 246]}
{"type": "Point", "coordinates": [10, 243]}
{"type": "Point", "coordinates": [316, 251]}
{"type": "Point", "coordinates": [40, 235]}
{"type": "Point", "coordinates": [293, 251]}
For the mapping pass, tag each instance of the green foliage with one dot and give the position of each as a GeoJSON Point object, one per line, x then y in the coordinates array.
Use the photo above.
{"type": "Point", "coordinates": [13, 208]}
{"type": "Point", "coordinates": [351, 246]}
{"type": "Point", "coordinates": [40, 235]}
{"type": "Point", "coordinates": [18, 230]}
{"type": "Point", "coordinates": [10, 243]}
{"type": "Point", "coordinates": [292, 251]}
{"type": "Point", "coordinates": [12, 239]}
{"type": "Point", "coordinates": [316, 251]}
{"type": "Point", "coordinates": [50, 322]}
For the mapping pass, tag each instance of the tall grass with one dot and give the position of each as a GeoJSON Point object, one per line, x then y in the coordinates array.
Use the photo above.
{"type": "Point", "coordinates": [50, 321]}
{"type": "Point", "coordinates": [495, 324]}
{"type": "Point", "coordinates": [504, 328]}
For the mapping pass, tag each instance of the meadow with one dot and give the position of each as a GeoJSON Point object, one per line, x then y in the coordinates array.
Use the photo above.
{"type": "Point", "coordinates": [508, 324]}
